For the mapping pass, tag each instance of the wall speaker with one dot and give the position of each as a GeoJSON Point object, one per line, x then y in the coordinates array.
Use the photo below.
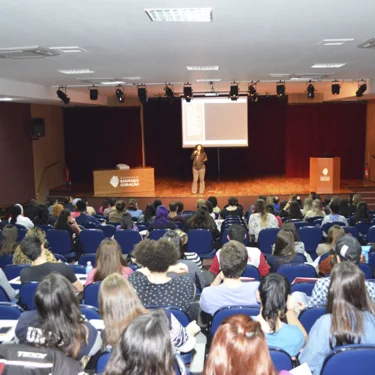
{"type": "Point", "coordinates": [37, 128]}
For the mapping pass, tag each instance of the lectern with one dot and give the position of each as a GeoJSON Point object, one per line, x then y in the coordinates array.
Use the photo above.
{"type": "Point", "coordinates": [325, 175]}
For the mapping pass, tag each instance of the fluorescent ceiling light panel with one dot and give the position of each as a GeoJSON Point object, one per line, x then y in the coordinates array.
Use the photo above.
{"type": "Point", "coordinates": [69, 49]}
{"type": "Point", "coordinates": [132, 78]}
{"type": "Point", "coordinates": [211, 94]}
{"type": "Point", "coordinates": [208, 80]}
{"type": "Point", "coordinates": [6, 99]}
{"type": "Point", "coordinates": [301, 79]}
{"type": "Point", "coordinates": [328, 65]}
{"type": "Point", "coordinates": [339, 40]}
{"type": "Point", "coordinates": [333, 44]}
{"type": "Point", "coordinates": [76, 71]}
{"type": "Point", "coordinates": [204, 67]}
{"type": "Point", "coordinates": [180, 14]}
{"type": "Point", "coordinates": [279, 74]}
{"type": "Point", "coordinates": [112, 83]}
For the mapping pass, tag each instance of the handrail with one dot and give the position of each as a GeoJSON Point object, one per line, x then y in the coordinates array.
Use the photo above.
{"type": "Point", "coordinates": [43, 173]}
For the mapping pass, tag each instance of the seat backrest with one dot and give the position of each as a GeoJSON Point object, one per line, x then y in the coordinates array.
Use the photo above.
{"type": "Point", "coordinates": [79, 269]}
{"type": "Point", "coordinates": [156, 234]}
{"type": "Point", "coordinates": [178, 313]}
{"type": "Point", "coordinates": [371, 260]}
{"type": "Point", "coordinates": [127, 239]}
{"type": "Point", "coordinates": [366, 269]}
{"type": "Point", "coordinates": [84, 258]}
{"type": "Point", "coordinates": [291, 271]}
{"type": "Point", "coordinates": [371, 234]}
{"type": "Point", "coordinates": [59, 241]}
{"type": "Point", "coordinates": [310, 315]}
{"type": "Point", "coordinates": [266, 239]}
{"type": "Point", "coordinates": [108, 230]}
{"type": "Point", "coordinates": [228, 311]}
{"type": "Point", "coordinates": [317, 222]}
{"type": "Point", "coordinates": [5, 260]}
{"type": "Point", "coordinates": [351, 230]}
{"type": "Point", "coordinates": [91, 239]}
{"type": "Point", "coordinates": [363, 227]}
{"type": "Point", "coordinates": [349, 360]}
{"type": "Point", "coordinates": [60, 257]}
{"type": "Point", "coordinates": [90, 312]}
{"type": "Point", "coordinates": [281, 359]}
{"type": "Point", "coordinates": [102, 361]}
{"type": "Point", "coordinates": [251, 271]}
{"type": "Point", "coordinates": [45, 227]}
{"type": "Point", "coordinates": [200, 241]}
{"type": "Point", "coordinates": [14, 270]}
{"type": "Point", "coordinates": [10, 311]}
{"type": "Point", "coordinates": [3, 295]}
{"type": "Point", "coordinates": [311, 237]}
{"type": "Point", "coordinates": [21, 234]}
{"type": "Point", "coordinates": [305, 287]}
{"type": "Point", "coordinates": [91, 294]}
{"type": "Point", "coordinates": [27, 293]}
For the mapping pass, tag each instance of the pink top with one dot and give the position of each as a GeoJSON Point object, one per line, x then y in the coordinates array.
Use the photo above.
{"type": "Point", "coordinates": [126, 272]}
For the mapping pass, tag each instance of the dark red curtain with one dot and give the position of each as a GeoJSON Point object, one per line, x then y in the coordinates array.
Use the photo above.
{"type": "Point", "coordinates": [328, 128]}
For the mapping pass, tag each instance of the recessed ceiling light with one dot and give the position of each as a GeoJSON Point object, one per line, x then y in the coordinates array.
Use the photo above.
{"type": "Point", "coordinates": [303, 79]}
{"type": "Point", "coordinates": [329, 65]}
{"type": "Point", "coordinates": [279, 74]}
{"type": "Point", "coordinates": [180, 14]}
{"type": "Point", "coordinates": [6, 99]}
{"type": "Point", "coordinates": [208, 79]}
{"type": "Point", "coordinates": [333, 44]}
{"type": "Point", "coordinates": [76, 71]}
{"type": "Point", "coordinates": [69, 49]}
{"type": "Point", "coordinates": [343, 40]}
{"type": "Point", "coordinates": [204, 67]}
{"type": "Point", "coordinates": [112, 83]}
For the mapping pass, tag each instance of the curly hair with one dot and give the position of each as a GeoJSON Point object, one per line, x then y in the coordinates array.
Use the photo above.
{"type": "Point", "coordinates": [141, 251]}
{"type": "Point", "coordinates": [164, 254]}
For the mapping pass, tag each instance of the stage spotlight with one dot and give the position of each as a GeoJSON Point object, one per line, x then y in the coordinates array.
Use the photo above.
{"type": "Point", "coordinates": [361, 90]}
{"type": "Point", "coordinates": [335, 88]}
{"type": "Point", "coordinates": [120, 95]}
{"type": "Point", "coordinates": [62, 95]}
{"type": "Point", "coordinates": [94, 92]}
{"type": "Point", "coordinates": [142, 94]}
{"type": "Point", "coordinates": [310, 91]}
{"type": "Point", "coordinates": [253, 92]}
{"type": "Point", "coordinates": [280, 90]}
{"type": "Point", "coordinates": [188, 93]}
{"type": "Point", "coordinates": [169, 93]}
{"type": "Point", "coordinates": [233, 93]}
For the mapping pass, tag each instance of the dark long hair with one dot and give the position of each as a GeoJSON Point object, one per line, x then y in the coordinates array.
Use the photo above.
{"type": "Point", "coordinates": [15, 211]}
{"type": "Point", "coordinates": [295, 211]}
{"type": "Point", "coordinates": [62, 220]}
{"type": "Point", "coordinates": [284, 245]}
{"type": "Point", "coordinates": [361, 213]}
{"type": "Point", "coordinates": [149, 213]}
{"type": "Point", "coordinates": [347, 300]}
{"type": "Point", "coordinates": [59, 315]}
{"type": "Point", "coordinates": [239, 347]}
{"type": "Point", "coordinates": [274, 291]}
{"type": "Point", "coordinates": [145, 348]}
{"type": "Point", "coordinates": [127, 222]}
{"type": "Point", "coordinates": [42, 214]}
{"type": "Point", "coordinates": [344, 207]}
{"type": "Point", "coordinates": [201, 219]}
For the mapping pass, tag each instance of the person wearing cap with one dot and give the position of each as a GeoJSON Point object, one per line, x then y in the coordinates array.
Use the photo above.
{"type": "Point", "coordinates": [347, 249]}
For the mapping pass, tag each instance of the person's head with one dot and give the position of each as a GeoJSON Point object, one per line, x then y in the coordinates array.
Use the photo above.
{"type": "Point", "coordinates": [132, 205]}
{"type": "Point", "coordinates": [120, 206]}
{"type": "Point", "coordinates": [307, 204]}
{"type": "Point", "coordinates": [284, 244]}
{"type": "Point", "coordinates": [334, 208]}
{"type": "Point", "coordinates": [109, 259]}
{"type": "Point", "coordinates": [105, 203]}
{"type": "Point", "coordinates": [59, 314]}
{"type": "Point", "coordinates": [291, 228]}
{"type": "Point", "coordinates": [161, 256]}
{"type": "Point", "coordinates": [201, 219]}
{"type": "Point", "coordinates": [347, 299]}
{"type": "Point", "coordinates": [356, 199]}
{"type": "Point", "coordinates": [38, 233]}
{"type": "Point", "coordinates": [233, 259]}
{"type": "Point", "coordinates": [56, 210]}
{"type": "Point", "coordinates": [344, 206]}
{"type": "Point", "coordinates": [81, 206]}
{"type": "Point", "coordinates": [199, 148]}
{"type": "Point", "coordinates": [118, 305]}
{"type": "Point", "coordinates": [317, 207]}
{"type": "Point", "coordinates": [142, 250]}
{"type": "Point", "coordinates": [213, 200]}
{"type": "Point", "coordinates": [173, 237]}
{"type": "Point", "coordinates": [63, 219]}
{"type": "Point", "coordinates": [299, 201]}
{"type": "Point", "coordinates": [180, 207]}
{"type": "Point", "coordinates": [348, 249]}
{"type": "Point", "coordinates": [127, 222]}
{"type": "Point", "coordinates": [276, 200]}
{"type": "Point", "coordinates": [233, 201]}
{"type": "Point", "coordinates": [42, 212]}
{"type": "Point", "coordinates": [260, 207]}
{"type": "Point", "coordinates": [150, 212]}
{"type": "Point", "coordinates": [336, 199]}
{"type": "Point", "coordinates": [210, 207]}
{"type": "Point", "coordinates": [270, 209]}
{"type": "Point", "coordinates": [112, 202]}
{"type": "Point", "coordinates": [144, 348]}
{"type": "Point", "coordinates": [161, 215]}
{"type": "Point", "coordinates": [361, 212]}
{"type": "Point", "coordinates": [334, 233]}
{"type": "Point", "coordinates": [327, 200]}
{"type": "Point", "coordinates": [173, 207]}
{"type": "Point", "coordinates": [239, 347]}
{"type": "Point", "coordinates": [15, 211]}
{"type": "Point", "coordinates": [273, 293]}
{"type": "Point", "coordinates": [313, 195]}
{"type": "Point", "coordinates": [32, 247]}
{"type": "Point", "coordinates": [262, 197]}
{"type": "Point", "coordinates": [283, 204]}
{"type": "Point", "coordinates": [237, 232]}
{"type": "Point", "coordinates": [294, 210]}
{"type": "Point", "coordinates": [269, 200]}
{"type": "Point", "coordinates": [8, 241]}
{"type": "Point", "coordinates": [200, 202]}
{"type": "Point", "coordinates": [157, 203]}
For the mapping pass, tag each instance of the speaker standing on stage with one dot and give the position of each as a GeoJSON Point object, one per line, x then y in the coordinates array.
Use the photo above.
{"type": "Point", "coordinates": [199, 157]}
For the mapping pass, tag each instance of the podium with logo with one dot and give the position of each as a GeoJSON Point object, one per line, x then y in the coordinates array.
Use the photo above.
{"type": "Point", "coordinates": [325, 175]}
{"type": "Point", "coordinates": [133, 182]}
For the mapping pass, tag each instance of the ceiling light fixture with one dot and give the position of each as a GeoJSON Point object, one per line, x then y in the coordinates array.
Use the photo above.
{"type": "Point", "coordinates": [113, 83]}
{"type": "Point", "coordinates": [213, 92]}
{"type": "Point", "coordinates": [201, 80]}
{"type": "Point", "coordinates": [142, 94]}
{"type": "Point", "coordinates": [180, 14]}
{"type": "Point", "coordinates": [204, 67]}
{"type": "Point", "coordinates": [94, 92]}
{"type": "Point", "coordinates": [361, 89]}
{"type": "Point", "coordinates": [76, 71]}
{"type": "Point", "coordinates": [188, 92]}
{"type": "Point", "coordinates": [120, 95]}
{"type": "Point", "coordinates": [280, 90]}
{"type": "Point", "coordinates": [328, 65]}
{"type": "Point", "coordinates": [233, 92]}
{"type": "Point", "coordinates": [310, 90]}
{"type": "Point", "coordinates": [6, 99]}
{"type": "Point", "coordinates": [253, 92]}
{"type": "Point", "coordinates": [335, 87]}
{"type": "Point", "coordinates": [62, 95]}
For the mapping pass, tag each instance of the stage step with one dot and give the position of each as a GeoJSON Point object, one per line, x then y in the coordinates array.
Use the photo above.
{"type": "Point", "coordinates": [367, 195]}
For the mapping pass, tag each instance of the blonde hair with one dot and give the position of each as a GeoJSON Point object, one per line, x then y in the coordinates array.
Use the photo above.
{"type": "Point", "coordinates": [56, 210]}
{"type": "Point", "coordinates": [316, 207]}
{"type": "Point", "coordinates": [38, 233]}
{"type": "Point", "coordinates": [307, 205]}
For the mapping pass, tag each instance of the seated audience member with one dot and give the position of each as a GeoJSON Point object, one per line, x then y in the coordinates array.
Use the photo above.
{"type": "Point", "coordinates": [35, 251]}
{"type": "Point", "coordinates": [20, 258]}
{"type": "Point", "coordinates": [84, 219]}
{"type": "Point", "coordinates": [109, 260]}
{"type": "Point", "coordinates": [4, 283]}
{"type": "Point", "coordinates": [66, 222]}
{"type": "Point", "coordinates": [119, 305]}
{"type": "Point", "coordinates": [355, 199]}
{"type": "Point", "coordinates": [75, 212]}
{"type": "Point", "coordinates": [68, 203]}
{"type": "Point", "coordinates": [56, 211]}
{"type": "Point", "coordinates": [57, 321]}
{"type": "Point", "coordinates": [16, 217]}
{"type": "Point", "coordinates": [185, 254]}
{"type": "Point", "coordinates": [307, 206]}
{"type": "Point", "coordinates": [263, 198]}
{"type": "Point", "coordinates": [312, 195]}
{"type": "Point", "coordinates": [239, 347]}
{"type": "Point", "coordinates": [127, 223]}
{"type": "Point", "coordinates": [152, 284]}
{"type": "Point", "coordinates": [316, 210]}
{"type": "Point", "coordinates": [254, 255]}
{"type": "Point", "coordinates": [115, 215]}
{"type": "Point", "coordinates": [228, 289]}
{"type": "Point", "coordinates": [334, 233]}
{"type": "Point", "coordinates": [89, 209]}
{"type": "Point", "coordinates": [362, 213]}
{"type": "Point", "coordinates": [293, 211]}
{"type": "Point", "coordinates": [195, 272]}
{"type": "Point", "coordinates": [210, 208]}
{"type": "Point", "coordinates": [216, 208]}
{"type": "Point", "coordinates": [31, 210]}
{"type": "Point", "coordinates": [299, 246]}
{"type": "Point", "coordinates": [277, 317]}
{"type": "Point", "coordinates": [144, 348]}
{"type": "Point", "coordinates": [180, 207]}
{"type": "Point", "coordinates": [110, 208]}
{"type": "Point", "coordinates": [349, 318]}
{"type": "Point", "coordinates": [200, 202]}
{"type": "Point", "coordinates": [270, 209]}
{"type": "Point", "coordinates": [148, 215]}
{"type": "Point", "coordinates": [42, 217]}
{"type": "Point", "coordinates": [276, 205]}
{"type": "Point", "coordinates": [161, 220]}
{"type": "Point", "coordinates": [202, 220]}
{"type": "Point", "coordinates": [261, 219]}
{"type": "Point", "coordinates": [282, 212]}
{"type": "Point", "coordinates": [104, 205]}
{"type": "Point", "coordinates": [347, 249]}
{"type": "Point", "coordinates": [133, 209]}
{"type": "Point", "coordinates": [51, 202]}
{"type": "Point", "coordinates": [284, 251]}
{"type": "Point", "coordinates": [8, 240]}
{"type": "Point", "coordinates": [344, 207]}
{"type": "Point", "coordinates": [233, 208]}
{"type": "Point", "coordinates": [157, 203]}
{"type": "Point", "coordinates": [173, 215]}
{"type": "Point", "coordinates": [334, 215]}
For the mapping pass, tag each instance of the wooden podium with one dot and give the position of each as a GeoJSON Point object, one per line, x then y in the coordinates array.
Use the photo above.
{"type": "Point", "coordinates": [134, 182]}
{"type": "Point", "coordinates": [325, 175]}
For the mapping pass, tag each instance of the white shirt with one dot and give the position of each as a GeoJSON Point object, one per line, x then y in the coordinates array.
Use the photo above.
{"type": "Point", "coordinates": [25, 221]}
{"type": "Point", "coordinates": [256, 224]}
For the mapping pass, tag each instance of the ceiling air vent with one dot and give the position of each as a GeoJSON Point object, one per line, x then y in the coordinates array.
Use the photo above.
{"type": "Point", "coordinates": [33, 52]}
{"type": "Point", "coordinates": [368, 44]}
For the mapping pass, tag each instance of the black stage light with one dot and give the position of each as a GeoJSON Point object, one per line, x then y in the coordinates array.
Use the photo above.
{"type": "Point", "coordinates": [120, 95]}
{"type": "Point", "coordinates": [169, 93]}
{"type": "Point", "coordinates": [142, 94]}
{"type": "Point", "coordinates": [233, 93]}
{"type": "Point", "coordinates": [94, 92]}
{"type": "Point", "coordinates": [253, 93]}
{"type": "Point", "coordinates": [280, 90]}
{"type": "Point", "coordinates": [310, 91]}
{"type": "Point", "coordinates": [62, 95]}
{"type": "Point", "coordinates": [188, 93]}
{"type": "Point", "coordinates": [361, 90]}
{"type": "Point", "coordinates": [335, 88]}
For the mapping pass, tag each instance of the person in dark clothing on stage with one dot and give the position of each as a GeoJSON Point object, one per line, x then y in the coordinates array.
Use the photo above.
{"type": "Point", "coordinates": [199, 158]}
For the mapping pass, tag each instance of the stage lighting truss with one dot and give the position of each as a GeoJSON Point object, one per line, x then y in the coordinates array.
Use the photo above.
{"type": "Point", "coordinates": [120, 94]}
{"type": "Point", "coordinates": [233, 92]}
{"type": "Point", "coordinates": [280, 90]}
{"type": "Point", "coordinates": [188, 92]}
{"type": "Point", "coordinates": [310, 90]}
{"type": "Point", "coordinates": [62, 95]}
{"type": "Point", "coordinates": [362, 87]}
{"type": "Point", "coordinates": [253, 92]}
